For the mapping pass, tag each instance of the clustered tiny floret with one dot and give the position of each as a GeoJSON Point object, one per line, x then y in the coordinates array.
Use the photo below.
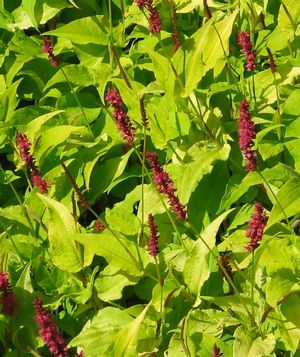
{"type": "Point", "coordinates": [154, 19]}
{"type": "Point", "coordinates": [49, 331]}
{"type": "Point", "coordinates": [24, 148]}
{"type": "Point", "coordinates": [216, 351]}
{"type": "Point", "coordinates": [47, 47]}
{"type": "Point", "coordinates": [247, 133]}
{"type": "Point", "coordinates": [165, 185]}
{"type": "Point", "coordinates": [247, 49]}
{"type": "Point", "coordinates": [256, 225]}
{"type": "Point", "coordinates": [113, 97]}
{"type": "Point", "coordinates": [153, 236]}
{"type": "Point", "coordinates": [7, 297]}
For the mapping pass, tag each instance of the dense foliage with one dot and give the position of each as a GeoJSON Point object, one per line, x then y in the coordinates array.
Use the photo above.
{"type": "Point", "coordinates": [149, 180]}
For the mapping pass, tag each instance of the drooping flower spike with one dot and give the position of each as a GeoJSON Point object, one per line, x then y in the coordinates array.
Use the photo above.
{"type": "Point", "coordinates": [247, 48]}
{"type": "Point", "coordinates": [154, 19]}
{"type": "Point", "coordinates": [24, 145]}
{"type": "Point", "coordinates": [8, 299]}
{"type": "Point", "coordinates": [47, 47]}
{"type": "Point", "coordinates": [207, 12]}
{"type": "Point", "coordinates": [123, 123]}
{"type": "Point", "coordinates": [216, 352]}
{"type": "Point", "coordinates": [49, 331]}
{"type": "Point", "coordinates": [153, 236]}
{"type": "Point", "coordinates": [165, 185]}
{"type": "Point", "coordinates": [256, 228]}
{"type": "Point", "coordinates": [247, 133]}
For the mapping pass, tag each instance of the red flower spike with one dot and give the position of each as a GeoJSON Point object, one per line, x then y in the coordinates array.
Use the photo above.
{"type": "Point", "coordinates": [38, 182]}
{"type": "Point", "coordinates": [256, 226]}
{"type": "Point", "coordinates": [7, 297]}
{"type": "Point", "coordinates": [153, 237]}
{"type": "Point", "coordinates": [99, 225]}
{"type": "Point", "coordinates": [216, 352]}
{"type": "Point", "coordinates": [154, 19]}
{"type": "Point", "coordinates": [207, 11]}
{"type": "Point", "coordinates": [47, 47]}
{"type": "Point", "coordinates": [246, 48]}
{"type": "Point", "coordinates": [123, 123]}
{"type": "Point", "coordinates": [224, 261]}
{"type": "Point", "coordinates": [247, 133]}
{"type": "Point", "coordinates": [49, 331]}
{"type": "Point", "coordinates": [272, 62]}
{"type": "Point", "coordinates": [24, 147]}
{"type": "Point", "coordinates": [165, 185]}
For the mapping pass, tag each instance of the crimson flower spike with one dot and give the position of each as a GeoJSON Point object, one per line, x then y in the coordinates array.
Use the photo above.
{"type": "Point", "coordinates": [175, 34]}
{"type": "Point", "coordinates": [165, 185]}
{"type": "Point", "coordinates": [153, 237]}
{"type": "Point", "coordinates": [7, 297]}
{"type": "Point", "coordinates": [272, 62]}
{"type": "Point", "coordinates": [247, 49]}
{"type": "Point", "coordinates": [247, 133]}
{"type": "Point", "coordinates": [256, 226]}
{"type": "Point", "coordinates": [124, 125]}
{"type": "Point", "coordinates": [24, 145]}
{"type": "Point", "coordinates": [154, 19]}
{"type": "Point", "coordinates": [49, 331]}
{"type": "Point", "coordinates": [216, 351]}
{"type": "Point", "coordinates": [47, 47]}
{"type": "Point", "coordinates": [207, 11]}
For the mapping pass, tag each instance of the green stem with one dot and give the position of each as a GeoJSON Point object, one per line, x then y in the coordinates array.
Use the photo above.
{"type": "Point", "coordinates": [161, 288]}
{"type": "Point", "coordinates": [252, 283]}
{"type": "Point", "coordinates": [122, 71]}
{"type": "Point", "coordinates": [78, 101]}
{"type": "Point", "coordinates": [143, 183]}
{"type": "Point", "coordinates": [163, 203]}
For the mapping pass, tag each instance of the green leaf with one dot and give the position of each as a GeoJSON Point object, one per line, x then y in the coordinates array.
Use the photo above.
{"type": "Point", "coordinates": [74, 73]}
{"type": "Point", "coordinates": [83, 31]}
{"type": "Point", "coordinates": [99, 333]}
{"type": "Point", "coordinates": [289, 201]}
{"type": "Point", "coordinates": [55, 136]}
{"type": "Point", "coordinates": [118, 251]}
{"type": "Point", "coordinates": [204, 49]}
{"type": "Point", "coordinates": [28, 6]}
{"type": "Point", "coordinates": [9, 101]}
{"type": "Point", "coordinates": [65, 254]}
{"type": "Point", "coordinates": [291, 103]}
{"type": "Point", "coordinates": [196, 270]}
{"type": "Point", "coordinates": [111, 282]}
{"type": "Point", "coordinates": [290, 309]}
{"type": "Point", "coordinates": [247, 345]}
{"type": "Point", "coordinates": [199, 162]}
{"type": "Point", "coordinates": [126, 340]}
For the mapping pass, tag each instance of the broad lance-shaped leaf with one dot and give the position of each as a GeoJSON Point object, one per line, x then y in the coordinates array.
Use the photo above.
{"type": "Point", "coordinates": [205, 50]}
{"type": "Point", "coordinates": [188, 175]}
{"type": "Point", "coordinates": [99, 333]}
{"type": "Point", "coordinates": [83, 31]}
{"type": "Point", "coordinates": [247, 344]}
{"type": "Point", "coordinates": [65, 253]}
{"type": "Point", "coordinates": [118, 251]}
{"type": "Point", "coordinates": [289, 198]}
{"type": "Point", "coordinates": [126, 340]}
{"type": "Point", "coordinates": [196, 270]}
